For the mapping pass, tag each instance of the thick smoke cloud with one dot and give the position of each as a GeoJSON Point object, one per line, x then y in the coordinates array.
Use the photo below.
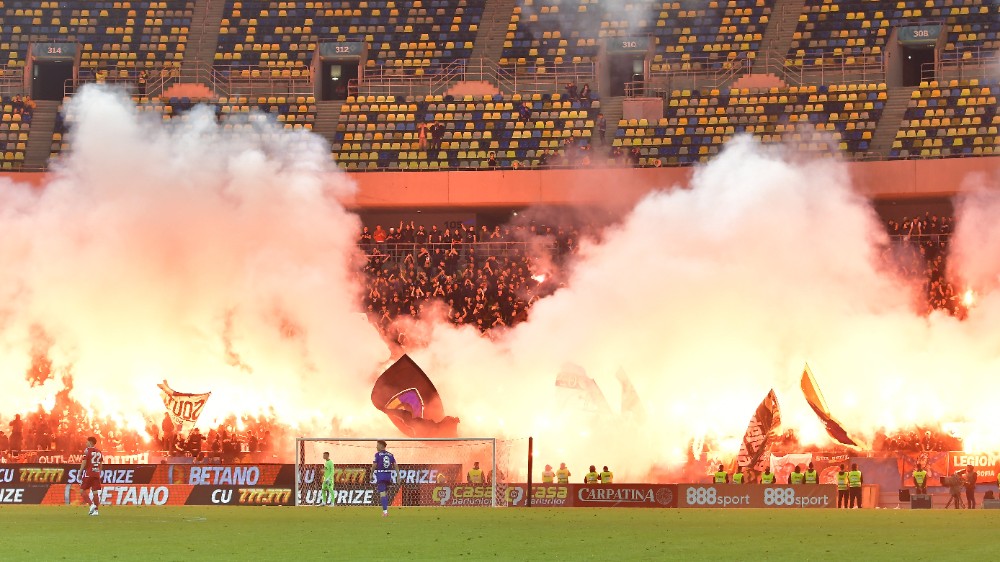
{"type": "Point", "coordinates": [223, 262]}
{"type": "Point", "coordinates": [217, 259]}
{"type": "Point", "coordinates": [707, 297]}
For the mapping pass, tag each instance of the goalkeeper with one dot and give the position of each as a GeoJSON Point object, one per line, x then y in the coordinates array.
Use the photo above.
{"type": "Point", "coordinates": [327, 495]}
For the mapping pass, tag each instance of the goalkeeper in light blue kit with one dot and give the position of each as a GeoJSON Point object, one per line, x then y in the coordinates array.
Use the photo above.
{"type": "Point", "coordinates": [327, 495]}
{"type": "Point", "coordinates": [385, 470]}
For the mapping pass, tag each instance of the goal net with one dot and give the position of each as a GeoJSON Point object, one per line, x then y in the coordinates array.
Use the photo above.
{"type": "Point", "coordinates": [432, 472]}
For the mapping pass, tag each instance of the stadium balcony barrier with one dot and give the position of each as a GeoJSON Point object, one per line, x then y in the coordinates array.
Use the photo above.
{"type": "Point", "coordinates": [921, 239]}
{"type": "Point", "coordinates": [12, 81]}
{"type": "Point", "coordinates": [696, 73]}
{"type": "Point", "coordinates": [973, 63]}
{"type": "Point", "coordinates": [690, 75]}
{"type": "Point", "coordinates": [509, 79]}
{"type": "Point", "coordinates": [223, 81]}
{"type": "Point", "coordinates": [396, 252]}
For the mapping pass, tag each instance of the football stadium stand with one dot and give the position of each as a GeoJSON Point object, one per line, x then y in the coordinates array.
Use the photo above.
{"type": "Point", "coordinates": [15, 123]}
{"type": "Point", "coordinates": [384, 132]}
{"type": "Point", "coordinates": [120, 35]}
{"type": "Point", "coordinates": [711, 69]}
{"type": "Point", "coordinates": [697, 124]}
{"type": "Point", "coordinates": [957, 118]}
{"type": "Point", "coordinates": [408, 37]}
{"type": "Point", "coordinates": [706, 34]}
{"type": "Point", "coordinates": [859, 29]}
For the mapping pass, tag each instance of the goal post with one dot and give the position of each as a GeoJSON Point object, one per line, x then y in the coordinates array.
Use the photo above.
{"type": "Point", "coordinates": [432, 472]}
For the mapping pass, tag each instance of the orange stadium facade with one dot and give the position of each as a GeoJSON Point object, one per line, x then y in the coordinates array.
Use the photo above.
{"type": "Point", "coordinates": [893, 179]}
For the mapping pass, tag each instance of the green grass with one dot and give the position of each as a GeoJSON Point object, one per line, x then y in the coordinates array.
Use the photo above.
{"type": "Point", "coordinates": [312, 533]}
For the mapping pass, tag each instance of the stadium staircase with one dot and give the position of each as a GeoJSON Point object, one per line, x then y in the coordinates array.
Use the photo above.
{"type": "Point", "coordinates": [891, 121]}
{"type": "Point", "coordinates": [780, 29]}
{"type": "Point", "coordinates": [611, 107]}
{"type": "Point", "coordinates": [43, 124]}
{"type": "Point", "coordinates": [202, 38]}
{"type": "Point", "coordinates": [327, 116]}
{"type": "Point", "coordinates": [492, 29]}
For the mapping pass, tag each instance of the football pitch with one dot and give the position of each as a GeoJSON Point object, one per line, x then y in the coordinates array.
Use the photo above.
{"type": "Point", "coordinates": [315, 533]}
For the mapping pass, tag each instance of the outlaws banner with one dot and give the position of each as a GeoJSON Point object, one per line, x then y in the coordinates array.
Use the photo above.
{"type": "Point", "coordinates": [735, 496]}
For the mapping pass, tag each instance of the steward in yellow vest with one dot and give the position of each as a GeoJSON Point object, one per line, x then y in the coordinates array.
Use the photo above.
{"type": "Point", "coordinates": [796, 477]}
{"type": "Point", "coordinates": [475, 475]}
{"type": "Point", "coordinates": [592, 476]}
{"type": "Point", "coordinates": [607, 477]}
{"type": "Point", "coordinates": [721, 476]}
{"type": "Point", "coordinates": [842, 493]}
{"type": "Point", "coordinates": [548, 476]}
{"type": "Point", "coordinates": [563, 474]}
{"type": "Point", "coordinates": [812, 477]}
{"type": "Point", "coordinates": [854, 482]}
{"type": "Point", "coordinates": [920, 479]}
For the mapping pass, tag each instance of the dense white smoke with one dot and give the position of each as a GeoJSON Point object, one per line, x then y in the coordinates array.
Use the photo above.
{"type": "Point", "coordinates": [224, 262]}
{"type": "Point", "coordinates": [708, 297]}
{"type": "Point", "coordinates": [218, 260]}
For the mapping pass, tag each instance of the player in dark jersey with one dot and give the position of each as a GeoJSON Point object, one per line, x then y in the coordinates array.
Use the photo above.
{"type": "Point", "coordinates": [385, 471]}
{"type": "Point", "coordinates": [90, 474]}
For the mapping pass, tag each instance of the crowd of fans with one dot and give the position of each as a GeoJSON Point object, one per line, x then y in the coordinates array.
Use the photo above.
{"type": "Point", "coordinates": [487, 277]}
{"type": "Point", "coordinates": [64, 428]}
{"type": "Point", "coordinates": [920, 252]}
{"type": "Point", "coordinates": [23, 106]}
{"type": "Point", "coordinates": [224, 443]}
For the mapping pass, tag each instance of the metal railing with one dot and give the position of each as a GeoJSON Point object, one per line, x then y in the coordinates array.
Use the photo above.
{"type": "Point", "coordinates": [251, 80]}
{"type": "Point", "coordinates": [698, 73]}
{"type": "Point", "coordinates": [437, 79]}
{"type": "Point", "coordinates": [846, 70]}
{"type": "Point", "coordinates": [919, 238]}
{"type": "Point", "coordinates": [223, 81]}
{"type": "Point", "coordinates": [645, 89]}
{"type": "Point", "coordinates": [12, 81]}
{"type": "Point", "coordinates": [398, 251]}
{"type": "Point", "coordinates": [773, 62]}
{"type": "Point", "coordinates": [973, 63]}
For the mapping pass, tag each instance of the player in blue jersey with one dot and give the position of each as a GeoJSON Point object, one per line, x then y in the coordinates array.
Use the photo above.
{"type": "Point", "coordinates": [385, 471]}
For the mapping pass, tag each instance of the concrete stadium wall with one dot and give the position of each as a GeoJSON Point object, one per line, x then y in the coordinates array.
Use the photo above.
{"type": "Point", "coordinates": [611, 187]}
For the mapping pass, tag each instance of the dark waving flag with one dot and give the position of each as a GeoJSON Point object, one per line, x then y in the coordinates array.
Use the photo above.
{"type": "Point", "coordinates": [631, 403]}
{"type": "Point", "coordinates": [577, 392]}
{"type": "Point", "coordinates": [408, 397]}
{"type": "Point", "coordinates": [755, 451]}
{"type": "Point", "coordinates": [815, 399]}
